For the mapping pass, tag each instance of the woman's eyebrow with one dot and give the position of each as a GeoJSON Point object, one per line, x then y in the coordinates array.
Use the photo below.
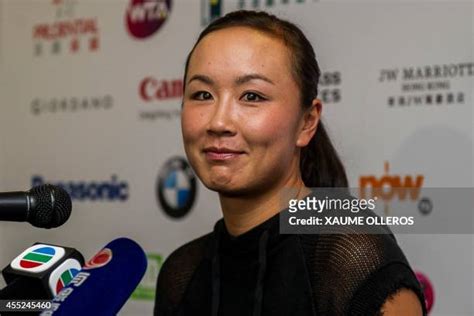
{"type": "Point", "coordinates": [202, 78]}
{"type": "Point", "coordinates": [246, 78]}
{"type": "Point", "coordinates": [239, 81]}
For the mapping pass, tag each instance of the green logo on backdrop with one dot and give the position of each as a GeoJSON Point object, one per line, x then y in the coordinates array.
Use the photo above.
{"type": "Point", "coordinates": [146, 289]}
{"type": "Point", "coordinates": [212, 9]}
{"type": "Point", "coordinates": [255, 4]}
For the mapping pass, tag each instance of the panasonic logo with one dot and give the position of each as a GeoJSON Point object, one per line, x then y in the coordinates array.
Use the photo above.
{"type": "Point", "coordinates": [109, 190]}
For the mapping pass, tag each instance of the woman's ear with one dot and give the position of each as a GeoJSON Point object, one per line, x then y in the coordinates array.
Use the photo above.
{"type": "Point", "coordinates": [310, 122]}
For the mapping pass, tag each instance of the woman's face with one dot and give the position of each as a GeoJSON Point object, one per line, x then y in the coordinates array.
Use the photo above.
{"type": "Point", "coordinates": [241, 112]}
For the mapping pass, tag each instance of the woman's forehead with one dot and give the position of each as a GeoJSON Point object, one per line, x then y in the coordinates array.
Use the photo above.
{"type": "Point", "coordinates": [239, 50]}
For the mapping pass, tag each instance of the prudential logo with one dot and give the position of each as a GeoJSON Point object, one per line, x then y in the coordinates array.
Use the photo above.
{"type": "Point", "coordinates": [145, 17]}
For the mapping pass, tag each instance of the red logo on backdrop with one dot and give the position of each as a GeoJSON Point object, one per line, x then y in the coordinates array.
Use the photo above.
{"type": "Point", "coordinates": [152, 89]}
{"type": "Point", "coordinates": [427, 288]}
{"type": "Point", "coordinates": [67, 32]}
{"type": "Point", "coordinates": [102, 258]}
{"type": "Point", "coordinates": [145, 17]}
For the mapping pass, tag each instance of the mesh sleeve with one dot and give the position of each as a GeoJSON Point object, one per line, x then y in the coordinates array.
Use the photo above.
{"type": "Point", "coordinates": [353, 274]}
{"type": "Point", "coordinates": [175, 275]}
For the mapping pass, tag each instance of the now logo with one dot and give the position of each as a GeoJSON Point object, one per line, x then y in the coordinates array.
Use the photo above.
{"type": "Point", "coordinates": [389, 186]}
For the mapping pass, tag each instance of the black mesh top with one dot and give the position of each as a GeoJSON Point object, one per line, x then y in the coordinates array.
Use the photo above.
{"type": "Point", "coordinates": [263, 272]}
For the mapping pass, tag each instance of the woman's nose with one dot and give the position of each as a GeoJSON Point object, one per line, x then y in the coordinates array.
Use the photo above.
{"type": "Point", "coordinates": [221, 121]}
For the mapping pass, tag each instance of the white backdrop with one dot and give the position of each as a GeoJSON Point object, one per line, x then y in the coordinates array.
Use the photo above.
{"type": "Point", "coordinates": [72, 111]}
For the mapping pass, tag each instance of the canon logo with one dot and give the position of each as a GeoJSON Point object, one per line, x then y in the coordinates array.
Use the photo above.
{"type": "Point", "coordinates": [151, 89]}
{"type": "Point", "coordinates": [145, 17]}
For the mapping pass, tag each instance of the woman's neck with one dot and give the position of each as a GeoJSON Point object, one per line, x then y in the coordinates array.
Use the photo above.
{"type": "Point", "coordinates": [243, 213]}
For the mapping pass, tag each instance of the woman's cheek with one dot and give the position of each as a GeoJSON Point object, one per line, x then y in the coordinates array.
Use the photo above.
{"type": "Point", "coordinates": [191, 121]}
{"type": "Point", "coordinates": [189, 133]}
{"type": "Point", "coordinates": [190, 139]}
{"type": "Point", "coordinates": [268, 127]}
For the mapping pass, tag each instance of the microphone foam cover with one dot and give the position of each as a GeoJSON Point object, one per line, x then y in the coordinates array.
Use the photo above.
{"type": "Point", "coordinates": [50, 206]}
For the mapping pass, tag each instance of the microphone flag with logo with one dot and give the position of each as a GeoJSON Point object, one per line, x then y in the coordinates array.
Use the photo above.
{"type": "Point", "coordinates": [40, 272]}
{"type": "Point", "coordinates": [105, 282]}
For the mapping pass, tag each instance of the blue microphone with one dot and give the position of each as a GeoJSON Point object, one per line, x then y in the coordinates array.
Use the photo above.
{"type": "Point", "coordinates": [105, 282]}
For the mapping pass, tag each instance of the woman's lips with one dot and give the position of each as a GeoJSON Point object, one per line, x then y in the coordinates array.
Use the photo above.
{"type": "Point", "coordinates": [221, 154]}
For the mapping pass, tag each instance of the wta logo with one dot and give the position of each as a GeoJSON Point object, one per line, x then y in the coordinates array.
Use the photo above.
{"type": "Point", "coordinates": [145, 17]}
{"type": "Point", "coordinates": [101, 259]}
{"type": "Point", "coordinates": [37, 258]}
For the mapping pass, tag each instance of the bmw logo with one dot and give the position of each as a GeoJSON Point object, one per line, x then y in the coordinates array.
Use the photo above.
{"type": "Point", "coordinates": [176, 187]}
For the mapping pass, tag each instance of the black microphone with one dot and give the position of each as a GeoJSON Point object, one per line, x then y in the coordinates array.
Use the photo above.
{"type": "Point", "coordinates": [44, 206]}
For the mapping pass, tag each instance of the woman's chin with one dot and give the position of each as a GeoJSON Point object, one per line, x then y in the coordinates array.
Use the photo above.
{"type": "Point", "coordinates": [224, 186]}
{"type": "Point", "coordinates": [220, 183]}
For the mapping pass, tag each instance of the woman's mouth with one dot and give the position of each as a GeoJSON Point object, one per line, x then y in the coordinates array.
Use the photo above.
{"type": "Point", "coordinates": [221, 154]}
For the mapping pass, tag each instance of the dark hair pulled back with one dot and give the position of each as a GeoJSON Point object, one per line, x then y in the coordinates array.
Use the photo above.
{"type": "Point", "coordinates": [320, 165]}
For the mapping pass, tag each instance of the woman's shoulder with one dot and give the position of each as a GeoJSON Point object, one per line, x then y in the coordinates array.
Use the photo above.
{"type": "Point", "coordinates": [349, 244]}
{"type": "Point", "coordinates": [191, 252]}
{"type": "Point", "coordinates": [367, 246]}
{"type": "Point", "coordinates": [186, 257]}
{"type": "Point", "coordinates": [176, 273]}
{"type": "Point", "coordinates": [354, 273]}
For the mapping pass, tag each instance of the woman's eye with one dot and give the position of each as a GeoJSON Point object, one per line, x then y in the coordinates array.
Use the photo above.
{"type": "Point", "coordinates": [253, 97]}
{"type": "Point", "coordinates": [202, 95]}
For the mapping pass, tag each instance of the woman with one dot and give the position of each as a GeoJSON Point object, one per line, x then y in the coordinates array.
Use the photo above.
{"type": "Point", "coordinates": [251, 128]}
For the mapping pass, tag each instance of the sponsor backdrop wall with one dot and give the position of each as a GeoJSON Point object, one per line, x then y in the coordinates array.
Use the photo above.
{"type": "Point", "coordinates": [91, 94]}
